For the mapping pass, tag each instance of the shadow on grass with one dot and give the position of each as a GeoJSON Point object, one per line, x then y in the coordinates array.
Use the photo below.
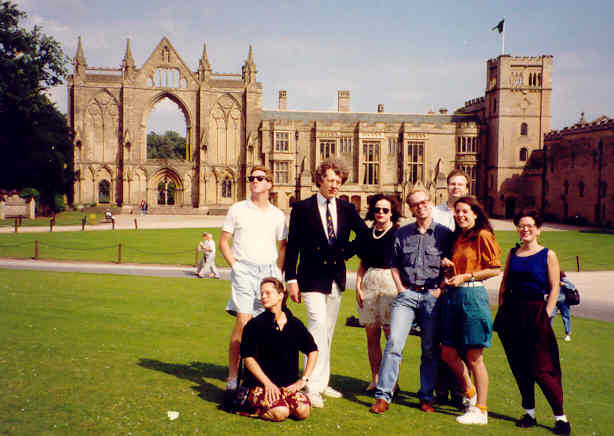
{"type": "Point", "coordinates": [196, 372]}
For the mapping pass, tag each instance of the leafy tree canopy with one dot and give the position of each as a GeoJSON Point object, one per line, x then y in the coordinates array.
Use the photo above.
{"type": "Point", "coordinates": [35, 139]}
{"type": "Point", "coordinates": [171, 145]}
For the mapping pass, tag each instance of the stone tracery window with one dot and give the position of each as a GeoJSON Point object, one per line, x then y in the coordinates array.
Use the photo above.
{"type": "Point", "coordinates": [524, 154]}
{"type": "Point", "coordinates": [104, 192]}
{"type": "Point", "coordinates": [346, 144]}
{"type": "Point", "coordinates": [371, 162]}
{"type": "Point", "coordinates": [281, 141]}
{"type": "Point", "coordinates": [524, 129]}
{"type": "Point", "coordinates": [227, 187]}
{"type": "Point", "coordinates": [327, 149]}
{"type": "Point", "coordinates": [415, 161]}
{"type": "Point", "coordinates": [281, 172]}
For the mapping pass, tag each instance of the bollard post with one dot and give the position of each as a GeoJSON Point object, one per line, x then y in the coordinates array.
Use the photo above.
{"type": "Point", "coordinates": [196, 259]}
{"type": "Point", "coordinates": [119, 253]}
{"type": "Point", "coordinates": [136, 224]}
{"type": "Point", "coordinates": [51, 224]}
{"type": "Point", "coordinates": [113, 223]}
{"type": "Point", "coordinates": [35, 249]}
{"type": "Point", "coordinates": [578, 262]}
{"type": "Point", "coordinates": [16, 225]}
{"type": "Point", "coordinates": [83, 220]}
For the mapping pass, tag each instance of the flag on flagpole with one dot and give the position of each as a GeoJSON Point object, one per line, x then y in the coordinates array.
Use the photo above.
{"type": "Point", "coordinates": [499, 26]}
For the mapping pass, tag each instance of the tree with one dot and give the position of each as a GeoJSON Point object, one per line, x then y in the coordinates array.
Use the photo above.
{"type": "Point", "coordinates": [171, 145]}
{"type": "Point", "coordinates": [35, 139]}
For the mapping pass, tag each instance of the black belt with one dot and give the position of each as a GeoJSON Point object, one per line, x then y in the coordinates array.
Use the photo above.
{"type": "Point", "coordinates": [418, 288]}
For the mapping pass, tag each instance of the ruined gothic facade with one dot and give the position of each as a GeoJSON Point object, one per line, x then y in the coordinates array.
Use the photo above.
{"type": "Point", "coordinates": [228, 132]}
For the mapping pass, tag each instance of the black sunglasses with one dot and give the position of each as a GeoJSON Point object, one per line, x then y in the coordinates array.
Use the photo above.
{"type": "Point", "coordinates": [259, 178]}
{"type": "Point", "coordinates": [381, 210]}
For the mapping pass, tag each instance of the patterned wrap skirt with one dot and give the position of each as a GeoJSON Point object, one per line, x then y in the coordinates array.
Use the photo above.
{"type": "Point", "coordinates": [379, 291]}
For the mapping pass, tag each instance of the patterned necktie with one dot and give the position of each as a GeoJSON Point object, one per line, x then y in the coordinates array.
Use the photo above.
{"type": "Point", "coordinates": [329, 224]}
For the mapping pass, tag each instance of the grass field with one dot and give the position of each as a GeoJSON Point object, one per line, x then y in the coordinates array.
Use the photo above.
{"type": "Point", "coordinates": [86, 354]}
{"type": "Point", "coordinates": [177, 246]}
{"type": "Point", "coordinates": [69, 218]}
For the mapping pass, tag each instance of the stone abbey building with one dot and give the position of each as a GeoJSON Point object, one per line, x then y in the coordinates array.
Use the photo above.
{"type": "Point", "coordinates": [492, 137]}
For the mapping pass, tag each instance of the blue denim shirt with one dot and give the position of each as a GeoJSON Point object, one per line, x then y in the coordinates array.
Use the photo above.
{"type": "Point", "coordinates": [418, 256]}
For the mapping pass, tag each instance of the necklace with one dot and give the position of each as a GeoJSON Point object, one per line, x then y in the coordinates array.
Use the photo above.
{"type": "Point", "coordinates": [383, 232]}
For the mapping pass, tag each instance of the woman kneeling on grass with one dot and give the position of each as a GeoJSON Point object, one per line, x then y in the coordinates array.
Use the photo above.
{"type": "Point", "coordinates": [527, 296]}
{"type": "Point", "coordinates": [467, 324]}
{"type": "Point", "coordinates": [270, 348]}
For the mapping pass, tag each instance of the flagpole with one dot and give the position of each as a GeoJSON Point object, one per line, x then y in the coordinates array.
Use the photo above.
{"type": "Point", "coordinates": [503, 42]}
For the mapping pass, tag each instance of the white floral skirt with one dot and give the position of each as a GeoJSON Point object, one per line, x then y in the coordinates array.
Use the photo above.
{"type": "Point", "coordinates": [379, 291]}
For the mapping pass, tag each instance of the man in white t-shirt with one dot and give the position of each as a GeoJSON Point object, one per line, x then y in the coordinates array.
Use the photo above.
{"type": "Point", "coordinates": [255, 226]}
{"type": "Point", "coordinates": [458, 184]}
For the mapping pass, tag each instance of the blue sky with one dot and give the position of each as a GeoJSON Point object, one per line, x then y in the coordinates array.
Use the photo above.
{"type": "Point", "coordinates": [410, 56]}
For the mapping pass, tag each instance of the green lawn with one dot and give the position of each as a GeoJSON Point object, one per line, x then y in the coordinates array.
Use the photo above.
{"type": "Point", "coordinates": [94, 354]}
{"type": "Point", "coordinates": [69, 218]}
{"type": "Point", "coordinates": [177, 246]}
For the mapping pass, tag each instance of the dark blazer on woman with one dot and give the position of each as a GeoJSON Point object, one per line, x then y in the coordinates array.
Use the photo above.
{"type": "Point", "coordinates": [320, 264]}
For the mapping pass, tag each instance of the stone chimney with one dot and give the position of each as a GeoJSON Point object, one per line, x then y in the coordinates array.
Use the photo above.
{"type": "Point", "coordinates": [380, 108]}
{"type": "Point", "coordinates": [283, 100]}
{"type": "Point", "coordinates": [343, 101]}
{"type": "Point", "coordinates": [443, 111]}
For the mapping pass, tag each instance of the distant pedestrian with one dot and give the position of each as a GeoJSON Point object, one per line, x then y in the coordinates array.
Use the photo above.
{"type": "Point", "coordinates": [143, 207]}
{"type": "Point", "coordinates": [563, 306]}
{"type": "Point", "coordinates": [207, 262]}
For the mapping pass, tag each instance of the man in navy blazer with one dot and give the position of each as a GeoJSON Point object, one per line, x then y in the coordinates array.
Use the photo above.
{"type": "Point", "coordinates": [319, 233]}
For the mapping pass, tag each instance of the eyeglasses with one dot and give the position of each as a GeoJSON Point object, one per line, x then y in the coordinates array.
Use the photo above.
{"type": "Point", "coordinates": [526, 226]}
{"type": "Point", "coordinates": [259, 178]}
{"type": "Point", "coordinates": [383, 210]}
{"type": "Point", "coordinates": [422, 203]}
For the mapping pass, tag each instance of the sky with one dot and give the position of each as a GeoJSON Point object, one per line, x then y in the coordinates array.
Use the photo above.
{"type": "Point", "coordinates": [409, 56]}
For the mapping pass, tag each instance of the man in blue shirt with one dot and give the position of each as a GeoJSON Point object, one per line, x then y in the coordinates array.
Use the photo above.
{"type": "Point", "coordinates": [417, 273]}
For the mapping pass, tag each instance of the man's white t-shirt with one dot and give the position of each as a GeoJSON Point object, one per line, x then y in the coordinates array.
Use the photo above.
{"type": "Point", "coordinates": [443, 215]}
{"type": "Point", "coordinates": [255, 231]}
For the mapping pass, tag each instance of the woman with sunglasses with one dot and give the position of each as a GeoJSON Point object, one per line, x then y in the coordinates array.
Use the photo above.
{"type": "Point", "coordinates": [527, 296]}
{"type": "Point", "coordinates": [375, 289]}
{"type": "Point", "coordinates": [466, 320]}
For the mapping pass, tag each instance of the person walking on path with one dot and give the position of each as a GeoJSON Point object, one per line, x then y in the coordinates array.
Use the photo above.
{"type": "Point", "coordinates": [527, 296]}
{"type": "Point", "coordinates": [416, 270]}
{"type": "Point", "coordinates": [320, 229]}
{"type": "Point", "coordinates": [563, 306]}
{"type": "Point", "coordinates": [255, 227]}
{"type": "Point", "coordinates": [207, 262]}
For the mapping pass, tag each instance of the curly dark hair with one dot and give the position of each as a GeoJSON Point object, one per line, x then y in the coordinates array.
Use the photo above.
{"type": "Point", "coordinates": [531, 213]}
{"type": "Point", "coordinates": [331, 164]}
{"type": "Point", "coordinates": [394, 207]}
{"type": "Point", "coordinates": [481, 221]}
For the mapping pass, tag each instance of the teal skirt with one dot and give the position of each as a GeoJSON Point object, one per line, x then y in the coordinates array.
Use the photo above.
{"type": "Point", "coordinates": [465, 318]}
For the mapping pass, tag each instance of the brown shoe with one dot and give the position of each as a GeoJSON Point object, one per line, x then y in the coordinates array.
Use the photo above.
{"type": "Point", "coordinates": [379, 407]}
{"type": "Point", "coordinates": [426, 406]}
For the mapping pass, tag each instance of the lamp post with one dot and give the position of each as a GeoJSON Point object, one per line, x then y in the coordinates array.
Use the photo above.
{"type": "Point", "coordinates": [297, 194]}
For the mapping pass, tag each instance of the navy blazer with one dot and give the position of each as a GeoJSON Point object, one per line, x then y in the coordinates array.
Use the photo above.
{"type": "Point", "coordinates": [320, 264]}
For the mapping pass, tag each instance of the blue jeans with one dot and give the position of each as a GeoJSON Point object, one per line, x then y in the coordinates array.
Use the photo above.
{"type": "Point", "coordinates": [407, 306]}
{"type": "Point", "coordinates": [561, 304]}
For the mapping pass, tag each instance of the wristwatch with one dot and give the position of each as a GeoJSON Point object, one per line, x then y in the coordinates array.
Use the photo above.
{"type": "Point", "coordinates": [305, 379]}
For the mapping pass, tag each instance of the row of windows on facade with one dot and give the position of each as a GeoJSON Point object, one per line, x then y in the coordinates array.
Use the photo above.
{"type": "Point", "coordinates": [464, 144]}
{"type": "Point", "coordinates": [573, 160]}
{"type": "Point", "coordinates": [167, 78]}
{"type": "Point", "coordinates": [371, 164]}
{"type": "Point", "coordinates": [603, 187]}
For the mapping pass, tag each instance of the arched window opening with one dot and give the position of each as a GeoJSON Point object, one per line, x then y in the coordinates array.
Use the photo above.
{"type": "Point", "coordinates": [524, 154]}
{"type": "Point", "coordinates": [227, 187]}
{"type": "Point", "coordinates": [104, 192]}
{"type": "Point", "coordinates": [167, 191]}
{"type": "Point", "coordinates": [524, 129]}
{"type": "Point", "coordinates": [166, 127]}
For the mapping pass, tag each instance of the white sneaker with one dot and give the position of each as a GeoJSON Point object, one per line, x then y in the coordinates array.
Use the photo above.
{"type": "Point", "coordinates": [332, 393]}
{"type": "Point", "coordinates": [316, 399]}
{"type": "Point", "coordinates": [470, 401]}
{"type": "Point", "coordinates": [567, 338]}
{"type": "Point", "coordinates": [473, 416]}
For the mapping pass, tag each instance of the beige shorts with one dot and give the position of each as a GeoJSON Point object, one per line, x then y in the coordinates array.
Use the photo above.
{"type": "Point", "coordinates": [379, 291]}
